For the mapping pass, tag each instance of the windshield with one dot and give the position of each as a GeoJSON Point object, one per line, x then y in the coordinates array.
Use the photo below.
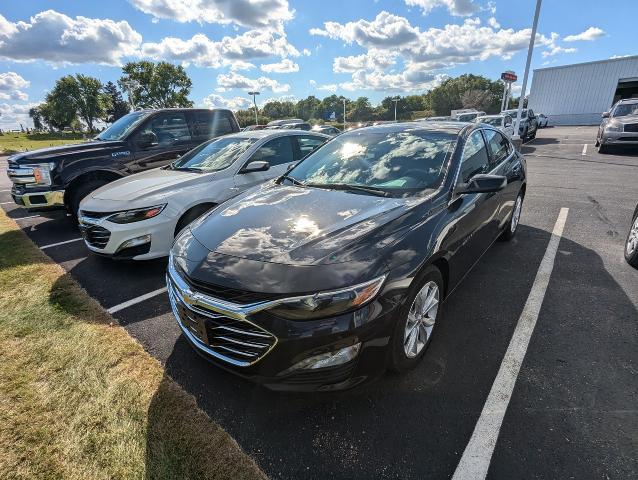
{"type": "Point", "coordinates": [121, 127]}
{"type": "Point", "coordinates": [397, 163]}
{"type": "Point", "coordinates": [495, 122]}
{"type": "Point", "coordinates": [215, 155]}
{"type": "Point", "coordinates": [625, 109]}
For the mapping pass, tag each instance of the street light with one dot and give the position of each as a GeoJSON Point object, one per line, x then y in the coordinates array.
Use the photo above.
{"type": "Point", "coordinates": [395, 100]}
{"type": "Point", "coordinates": [521, 99]}
{"type": "Point", "coordinates": [254, 94]}
{"type": "Point", "coordinates": [344, 114]}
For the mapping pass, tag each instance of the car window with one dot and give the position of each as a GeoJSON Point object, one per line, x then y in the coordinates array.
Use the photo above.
{"type": "Point", "coordinates": [498, 145]}
{"type": "Point", "coordinates": [475, 159]}
{"type": "Point", "coordinates": [307, 144]}
{"type": "Point", "coordinates": [170, 128]}
{"type": "Point", "coordinates": [276, 152]}
{"type": "Point", "coordinates": [214, 155]}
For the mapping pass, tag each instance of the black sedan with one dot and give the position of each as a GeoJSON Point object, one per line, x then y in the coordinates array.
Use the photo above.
{"type": "Point", "coordinates": [337, 270]}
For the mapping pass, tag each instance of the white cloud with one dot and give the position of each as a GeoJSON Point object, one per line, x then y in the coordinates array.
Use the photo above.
{"type": "Point", "coordinates": [233, 51]}
{"type": "Point", "coordinates": [461, 8]}
{"type": "Point", "coordinates": [592, 33]}
{"type": "Point", "coordinates": [492, 22]}
{"type": "Point", "coordinates": [556, 49]}
{"type": "Point", "coordinates": [331, 87]}
{"type": "Point", "coordinates": [11, 86]}
{"type": "Point", "coordinates": [306, 52]}
{"type": "Point", "coordinates": [235, 80]}
{"type": "Point", "coordinates": [372, 60]}
{"type": "Point", "coordinates": [12, 115]}
{"type": "Point", "coordinates": [270, 14]}
{"type": "Point", "coordinates": [412, 79]}
{"type": "Point", "coordinates": [285, 66]}
{"type": "Point", "coordinates": [57, 38]}
{"type": "Point", "coordinates": [217, 101]}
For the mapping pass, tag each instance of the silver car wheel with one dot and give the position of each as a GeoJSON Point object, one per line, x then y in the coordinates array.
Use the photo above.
{"type": "Point", "coordinates": [421, 319]}
{"type": "Point", "coordinates": [632, 239]}
{"type": "Point", "coordinates": [516, 214]}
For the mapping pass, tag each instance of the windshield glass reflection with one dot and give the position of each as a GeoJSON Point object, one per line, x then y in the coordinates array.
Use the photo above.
{"type": "Point", "coordinates": [215, 155]}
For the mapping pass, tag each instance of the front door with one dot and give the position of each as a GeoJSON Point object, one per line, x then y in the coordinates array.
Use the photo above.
{"type": "Point", "coordinates": [278, 152]}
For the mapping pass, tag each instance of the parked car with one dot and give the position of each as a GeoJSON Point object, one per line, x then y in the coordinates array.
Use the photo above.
{"type": "Point", "coordinates": [631, 245]}
{"type": "Point", "coordinates": [58, 178]}
{"type": "Point", "coordinates": [138, 217]}
{"type": "Point", "coordinates": [325, 276]}
{"type": "Point", "coordinates": [284, 121]}
{"type": "Point", "coordinates": [467, 116]}
{"type": "Point", "coordinates": [619, 126]}
{"type": "Point", "coordinates": [543, 121]}
{"type": "Point", "coordinates": [296, 126]}
{"type": "Point", "coordinates": [326, 129]}
{"type": "Point", "coordinates": [250, 128]}
{"type": "Point", "coordinates": [503, 121]}
{"type": "Point", "coordinates": [529, 122]}
{"type": "Point", "coordinates": [439, 119]}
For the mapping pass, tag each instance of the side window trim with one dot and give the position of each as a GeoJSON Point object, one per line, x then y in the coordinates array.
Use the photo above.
{"type": "Point", "coordinates": [510, 150]}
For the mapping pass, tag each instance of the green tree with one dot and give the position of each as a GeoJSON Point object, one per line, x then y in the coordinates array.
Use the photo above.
{"type": "Point", "coordinates": [247, 117]}
{"type": "Point", "coordinates": [36, 116]}
{"type": "Point", "coordinates": [451, 93]}
{"type": "Point", "coordinates": [156, 85]}
{"type": "Point", "coordinates": [90, 102]}
{"type": "Point", "coordinates": [117, 107]}
{"type": "Point", "coordinates": [309, 107]}
{"type": "Point", "coordinates": [59, 109]}
{"type": "Point", "coordinates": [360, 110]}
{"type": "Point", "coordinates": [276, 109]}
{"type": "Point", "coordinates": [331, 104]}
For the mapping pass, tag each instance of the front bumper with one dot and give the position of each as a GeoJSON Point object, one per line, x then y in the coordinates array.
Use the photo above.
{"type": "Point", "coordinates": [619, 138]}
{"type": "Point", "coordinates": [38, 200]}
{"type": "Point", "coordinates": [265, 349]}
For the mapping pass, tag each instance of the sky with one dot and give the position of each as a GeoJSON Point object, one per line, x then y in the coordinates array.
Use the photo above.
{"type": "Point", "coordinates": [289, 49]}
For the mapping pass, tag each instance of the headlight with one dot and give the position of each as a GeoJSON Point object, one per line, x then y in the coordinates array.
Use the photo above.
{"type": "Point", "coordinates": [136, 215]}
{"type": "Point", "coordinates": [42, 172]}
{"type": "Point", "coordinates": [614, 126]}
{"type": "Point", "coordinates": [326, 304]}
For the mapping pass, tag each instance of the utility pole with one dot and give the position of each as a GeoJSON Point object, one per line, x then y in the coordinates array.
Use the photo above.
{"type": "Point", "coordinates": [395, 100]}
{"type": "Point", "coordinates": [254, 94]}
{"type": "Point", "coordinates": [530, 50]}
{"type": "Point", "coordinates": [344, 114]}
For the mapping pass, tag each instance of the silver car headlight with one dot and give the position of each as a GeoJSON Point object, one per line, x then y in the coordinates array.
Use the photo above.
{"type": "Point", "coordinates": [330, 303]}
{"type": "Point", "coordinates": [41, 172]}
{"type": "Point", "coordinates": [137, 215]}
{"type": "Point", "coordinates": [614, 126]}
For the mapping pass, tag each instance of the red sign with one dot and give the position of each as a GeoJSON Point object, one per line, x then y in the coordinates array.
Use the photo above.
{"type": "Point", "coordinates": [509, 77]}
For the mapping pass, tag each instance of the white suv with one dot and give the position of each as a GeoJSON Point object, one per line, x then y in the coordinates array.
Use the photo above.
{"type": "Point", "coordinates": [138, 217]}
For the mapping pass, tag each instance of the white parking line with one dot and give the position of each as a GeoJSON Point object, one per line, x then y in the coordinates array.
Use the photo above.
{"type": "Point", "coordinates": [44, 247]}
{"type": "Point", "coordinates": [136, 300]}
{"type": "Point", "coordinates": [584, 150]}
{"type": "Point", "coordinates": [476, 458]}
{"type": "Point", "coordinates": [29, 216]}
{"type": "Point", "coordinates": [4, 191]}
{"type": "Point", "coordinates": [5, 203]}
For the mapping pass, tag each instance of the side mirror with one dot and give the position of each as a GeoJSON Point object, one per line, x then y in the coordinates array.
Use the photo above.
{"type": "Point", "coordinates": [255, 166]}
{"type": "Point", "coordinates": [482, 184]}
{"type": "Point", "coordinates": [147, 139]}
{"type": "Point", "coordinates": [605, 115]}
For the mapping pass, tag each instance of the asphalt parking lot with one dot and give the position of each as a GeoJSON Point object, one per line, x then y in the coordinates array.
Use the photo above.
{"type": "Point", "coordinates": [573, 412]}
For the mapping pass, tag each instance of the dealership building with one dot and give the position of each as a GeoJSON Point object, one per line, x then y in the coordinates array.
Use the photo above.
{"type": "Point", "coordinates": [578, 94]}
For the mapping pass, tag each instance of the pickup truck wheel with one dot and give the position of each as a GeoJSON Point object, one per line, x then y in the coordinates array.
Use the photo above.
{"type": "Point", "coordinates": [81, 191]}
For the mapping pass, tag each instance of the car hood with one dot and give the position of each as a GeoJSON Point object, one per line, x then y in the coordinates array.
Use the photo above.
{"type": "Point", "coordinates": [54, 153]}
{"type": "Point", "coordinates": [153, 184]}
{"type": "Point", "coordinates": [303, 225]}
{"type": "Point", "coordinates": [627, 119]}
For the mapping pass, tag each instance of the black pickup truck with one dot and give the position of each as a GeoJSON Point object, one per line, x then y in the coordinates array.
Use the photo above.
{"type": "Point", "coordinates": [58, 178]}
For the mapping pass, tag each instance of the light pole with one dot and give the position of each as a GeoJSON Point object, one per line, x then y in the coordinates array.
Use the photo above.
{"type": "Point", "coordinates": [344, 114]}
{"type": "Point", "coordinates": [530, 50]}
{"type": "Point", "coordinates": [395, 100]}
{"type": "Point", "coordinates": [254, 94]}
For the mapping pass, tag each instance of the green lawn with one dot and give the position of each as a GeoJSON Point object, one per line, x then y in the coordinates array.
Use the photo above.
{"type": "Point", "coordinates": [21, 142]}
{"type": "Point", "coordinates": [80, 398]}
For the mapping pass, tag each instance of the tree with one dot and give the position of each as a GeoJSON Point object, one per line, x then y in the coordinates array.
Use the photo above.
{"type": "Point", "coordinates": [476, 99]}
{"type": "Point", "coordinates": [360, 110]}
{"type": "Point", "coordinates": [36, 116]}
{"type": "Point", "coordinates": [309, 107]}
{"type": "Point", "coordinates": [247, 117]}
{"type": "Point", "coordinates": [117, 107]}
{"type": "Point", "coordinates": [59, 109]}
{"type": "Point", "coordinates": [448, 95]}
{"type": "Point", "coordinates": [276, 109]}
{"type": "Point", "coordinates": [90, 102]}
{"type": "Point", "coordinates": [156, 85]}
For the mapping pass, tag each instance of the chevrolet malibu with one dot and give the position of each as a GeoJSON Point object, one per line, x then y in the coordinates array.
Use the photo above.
{"type": "Point", "coordinates": [138, 217]}
{"type": "Point", "coordinates": [338, 269]}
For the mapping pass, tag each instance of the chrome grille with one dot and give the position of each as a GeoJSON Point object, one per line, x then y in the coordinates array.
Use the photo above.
{"type": "Point", "coordinates": [232, 339]}
{"type": "Point", "coordinates": [631, 127]}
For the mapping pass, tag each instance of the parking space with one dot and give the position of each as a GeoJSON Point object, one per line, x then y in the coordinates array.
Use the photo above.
{"type": "Point", "coordinates": [572, 413]}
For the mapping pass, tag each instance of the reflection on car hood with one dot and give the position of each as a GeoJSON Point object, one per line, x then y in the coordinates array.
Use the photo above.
{"type": "Point", "coordinates": [49, 154]}
{"type": "Point", "coordinates": [156, 183]}
{"type": "Point", "coordinates": [302, 225]}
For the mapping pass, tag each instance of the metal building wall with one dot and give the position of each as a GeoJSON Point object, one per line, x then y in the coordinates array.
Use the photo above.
{"type": "Point", "coordinates": [578, 94]}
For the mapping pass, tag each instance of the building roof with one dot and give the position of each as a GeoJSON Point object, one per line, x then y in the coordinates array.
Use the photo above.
{"type": "Point", "coordinates": [607, 60]}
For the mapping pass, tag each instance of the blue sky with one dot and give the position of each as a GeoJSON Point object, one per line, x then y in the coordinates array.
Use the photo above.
{"type": "Point", "coordinates": [296, 48]}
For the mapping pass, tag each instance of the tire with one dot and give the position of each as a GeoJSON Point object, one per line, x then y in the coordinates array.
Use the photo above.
{"type": "Point", "coordinates": [631, 244]}
{"type": "Point", "coordinates": [534, 134]}
{"type": "Point", "coordinates": [603, 149]}
{"type": "Point", "coordinates": [525, 136]}
{"type": "Point", "coordinates": [597, 144]}
{"type": "Point", "coordinates": [512, 225]}
{"type": "Point", "coordinates": [80, 192]}
{"type": "Point", "coordinates": [191, 215]}
{"type": "Point", "coordinates": [406, 354]}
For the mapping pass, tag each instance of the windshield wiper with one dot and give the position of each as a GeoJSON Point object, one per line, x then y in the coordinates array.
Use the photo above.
{"type": "Point", "coordinates": [380, 192]}
{"type": "Point", "coordinates": [292, 179]}
{"type": "Point", "coordinates": [187, 169]}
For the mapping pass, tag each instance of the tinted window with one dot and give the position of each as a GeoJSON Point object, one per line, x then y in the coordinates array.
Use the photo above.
{"type": "Point", "coordinates": [307, 144]}
{"type": "Point", "coordinates": [475, 159]}
{"type": "Point", "coordinates": [498, 146]}
{"type": "Point", "coordinates": [399, 162]}
{"type": "Point", "coordinates": [123, 126]}
{"type": "Point", "coordinates": [170, 128]}
{"type": "Point", "coordinates": [215, 155]}
{"type": "Point", "coordinates": [276, 152]}
{"type": "Point", "coordinates": [211, 124]}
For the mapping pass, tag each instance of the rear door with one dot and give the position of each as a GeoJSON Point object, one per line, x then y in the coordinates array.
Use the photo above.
{"type": "Point", "coordinates": [173, 138]}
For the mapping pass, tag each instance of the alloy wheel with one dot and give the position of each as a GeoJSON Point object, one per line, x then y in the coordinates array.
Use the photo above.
{"type": "Point", "coordinates": [421, 319]}
{"type": "Point", "coordinates": [632, 239]}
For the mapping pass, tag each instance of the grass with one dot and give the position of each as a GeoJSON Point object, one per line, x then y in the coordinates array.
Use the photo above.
{"type": "Point", "coordinates": [22, 142]}
{"type": "Point", "coordinates": [79, 398]}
